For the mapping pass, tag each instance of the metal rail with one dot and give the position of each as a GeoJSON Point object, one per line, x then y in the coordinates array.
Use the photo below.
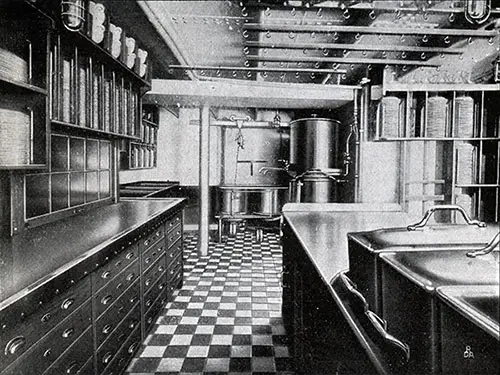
{"type": "Point", "coordinates": [341, 60]}
{"type": "Point", "coordinates": [257, 69]}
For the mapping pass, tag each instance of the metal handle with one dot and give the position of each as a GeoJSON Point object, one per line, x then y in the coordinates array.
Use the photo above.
{"type": "Point", "coordinates": [380, 326]}
{"type": "Point", "coordinates": [47, 353]}
{"type": "Point", "coordinates": [107, 357]}
{"type": "Point", "coordinates": [132, 347]}
{"type": "Point", "coordinates": [107, 329]}
{"type": "Point", "coordinates": [495, 241]}
{"type": "Point", "coordinates": [67, 303]}
{"type": "Point", "coordinates": [349, 284]}
{"type": "Point", "coordinates": [106, 300]}
{"type": "Point", "coordinates": [46, 318]}
{"type": "Point", "coordinates": [132, 324]}
{"type": "Point", "coordinates": [130, 255]}
{"type": "Point", "coordinates": [131, 277]}
{"type": "Point", "coordinates": [445, 207]}
{"type": "Point", "coordinates": [14, 345]}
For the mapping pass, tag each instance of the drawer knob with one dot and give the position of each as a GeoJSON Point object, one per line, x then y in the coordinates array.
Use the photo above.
{"type": "Point", "coordinates": [171, 255]}
{"type": "Point", "coordinates": [150, 320]}
{"type": "Point", "coordinates": [161, 268]}
{"type": "Point", "coordinates": [122, 337]}
{"type": "Point", "coordinates": [72, 368]}
{"type": "Point", "coordinates": [107, 358]}
{"type": "Point", "coordinates": [161, 286]}
{"type": "Point", "coordinates": [147, 260]}
{"type": "Point", "coordinates": [106, 300]}
{"type": "Point", "coordinates": [105, 275]}
{"type": "Point", "coordinates": [158, 234]}
{"type": "Point", "coordinates": [147, 282]}
{"type": "Point", "coordinates": [46, 318]}
{"type": "Point", "coordinates": [133, 299]}
{"type": "Point", "coordinates": [107, 329]}
{"type": "Point", "coordinates": [121, 309]}
{"type": "Point", "coordinates": [67, 303]}
{"type": "Point", "coordinates": [118, 264]}
{"type": "Point", "coordinates": [130, 255]}
{"type": "Point", "coordinates": [47, 353]}
{"type": "Point", "coordinates": [67, 333]}
{"type": "Point", "coordinates": [148, 303]}
{"type": "Point", "coordinates": [131, 276]}
{"type": "Point", "coordinates": [154, 254]}
{"type": "Point", "coordinates": [132, 324]}
{"type": "Point", "coordinates": [119, 286]}
{"type": "Point", "coordinates": [146, 243]}
{"type": "Point", "coordinates": [14, 345]}
{"type": "Point", "coordinates": [132, 348]}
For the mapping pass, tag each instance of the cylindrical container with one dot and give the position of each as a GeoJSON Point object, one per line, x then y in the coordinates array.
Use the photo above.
{"type": "Point", "coordinates": [317, 188]}
{"type": "Point", "coordinates": [314, 143]}
{"type": "Point", "coordinates": [269, 203]}
{"type": "Point", "coordinates": [234, 202]}
{"type": "Point", "coordinates": [464, 117]}
{"type": "Point", "coordinates": [437, 107]}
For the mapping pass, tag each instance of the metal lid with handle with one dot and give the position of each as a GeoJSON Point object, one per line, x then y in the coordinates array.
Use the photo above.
{"type": "Point", "coordinates": [445, 207]}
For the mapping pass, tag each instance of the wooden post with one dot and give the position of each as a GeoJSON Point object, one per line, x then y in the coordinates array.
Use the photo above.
{"type": "Point", "coordinates": [204, 181]}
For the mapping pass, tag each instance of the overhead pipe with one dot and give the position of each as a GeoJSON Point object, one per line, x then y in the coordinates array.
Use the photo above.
{"type": "Point", "coordinates": [366, 30]}
{"type": "Point", "coordinates": [257, 69]}
{"type": "Point", "coordinates": [341, 60]}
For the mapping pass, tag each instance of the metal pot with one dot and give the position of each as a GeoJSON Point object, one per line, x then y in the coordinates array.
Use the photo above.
{"type": "Point", "coordinates": [234, 202]}
{"type": "Point", "coordinates": [317, 187]}
{"type": "Point", "coordinates": [314, 143]}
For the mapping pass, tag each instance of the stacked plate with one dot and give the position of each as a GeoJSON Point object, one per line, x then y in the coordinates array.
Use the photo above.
{"type": "Point", "coordinates": [436, 116]}
{"type": "Point", "coordinates": [13, 66]}
{"type": "Point", "coordinates": [14, 136]}
{"type": "Point", "coordinates": [390, 117]}
{"type": "Point", "coordinates": [464, 117]}
{"type": "Point", "coordinates": [466, 162]}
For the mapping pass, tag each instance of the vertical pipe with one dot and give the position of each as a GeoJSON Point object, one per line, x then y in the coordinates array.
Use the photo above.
{"type": "Point", "coordinates": [362, 138]}
{"type": "Point", "coordinates": [204, 180]}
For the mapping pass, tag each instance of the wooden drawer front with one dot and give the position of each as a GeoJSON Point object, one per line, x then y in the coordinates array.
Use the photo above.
{"type": "Point", "coordinates": [174, 251]}
{"type": "Point", "coordinates": [106, 296]}
{"type": "Point", "coordinates": [152, 314]}
{"type": "Point", "coordinates": [108, 321]}
{"type": "Point", "coordinates": [153, 273]}
{"type": "Point", "coordinates": [107, 272]}
{"type": "Point", "coordinates": [43, 354]}
{"type": "Point", "coordinates": [174, 222]}
{"type": "Point", "coordinates": [174, 270]}
{"type": "Point", "coordinates": [75, 358]}
{"type": "Point", "coordinates": [152, 238]}
{"type": "Point", "coordinates": [174, 235]}
{"type": "Point", "coordinates": [153, 253]}
{"type": "Point", "coordinates": [158, 288]}
{"type": "Point", "coordinates": [108, 350]}
{"type": "Point", "coordinates": [14, 341]}
{"type": "Point", "coordinates": [125, 354]}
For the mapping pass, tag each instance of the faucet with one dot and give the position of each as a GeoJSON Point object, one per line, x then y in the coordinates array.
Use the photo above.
{"type": "Point", "coordinates": [487, 249]}
{"type": "Point", "coordinates": [284, 168]}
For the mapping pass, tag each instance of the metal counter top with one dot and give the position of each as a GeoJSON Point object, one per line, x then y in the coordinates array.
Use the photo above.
{"type": "Point", "coordinates": [322, 229]}
{"type": "Point", "coordinates": [44, 253]}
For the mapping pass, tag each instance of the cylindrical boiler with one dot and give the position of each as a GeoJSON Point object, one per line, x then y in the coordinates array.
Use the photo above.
{"type": "Point", "coordinates": [314, 144]}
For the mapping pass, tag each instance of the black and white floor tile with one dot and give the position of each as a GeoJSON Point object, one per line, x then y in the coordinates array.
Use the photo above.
{"type": "Point", "coordinates": [226, 319]}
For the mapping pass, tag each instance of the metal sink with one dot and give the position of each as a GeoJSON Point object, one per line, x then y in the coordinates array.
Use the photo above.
{"type": "Point", "coordinates": [409, 299]}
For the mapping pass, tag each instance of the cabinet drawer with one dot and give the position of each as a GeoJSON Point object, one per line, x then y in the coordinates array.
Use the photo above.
{"type": "Point", "coordinates": [108, 321]}
{"type": "Point", "coordinates": [106, 296]}
{"type": "Point", "coordinates": [107, 272]}
{"type": "Point", "coordinates": [152, 238]}
{"type": "Point", "coordinates": [125, 354]}
{"type": "Point", "coordinates": [152, 314]}
{"type": "Point", "coordinates": [14, 341]}
{"type": "Point", "coordinates": [153, 273]}
{"type": "Point", "coordinates": [174, 270]}
{"type": "Point", "coordinates": [174, 235]}
{"type": "Point", "coordinates": [43, 354]}
{"type": "Point", "coordinates": [152, 295]}
{"type": "Point", "coordinates": [174, 251]}
{"type": "Point", "coordinates": [174, 222]}
{"type": "Point", "coordinates": [153, 253]}
{"type": "Point", "coordinates": [75, 358]}
{"type": "Point", "coordinates": [106, 353]}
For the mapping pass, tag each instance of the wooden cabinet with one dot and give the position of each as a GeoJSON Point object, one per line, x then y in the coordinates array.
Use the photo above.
{"type": "Point", "coordinates": [143, 153]}
{"type": "Point", "coordinates": [112, 309]}
{"type": "Point", "coordinates": [450, 148]}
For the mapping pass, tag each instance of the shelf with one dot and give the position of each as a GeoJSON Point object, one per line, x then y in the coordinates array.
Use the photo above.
{"type": "Point", "coordinates": [23, 85]}
{"type": "Point", "coordinates": [149, 123]}
{"type": "Point", "coordinates": [85, 129]}
{"type": "Point", "coordinates": [413, 139]}
{"type": "Point", "coordinates": [99, 49]}
{"type": "Point", "coordinates": [477, 186]}
{"type": "Point", "coordinates": [437, 87]}
{"type": "Point", "coordinates": [23, 167]}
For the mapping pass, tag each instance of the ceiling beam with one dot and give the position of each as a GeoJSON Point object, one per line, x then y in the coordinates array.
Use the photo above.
{"type": "Point", "coordinates": [340, 60]}
{"type": "Point", "coordinates": [353, 47]}
{"type": "Point", "coordinates": [248, 94]}
{"type": "Point", "coordinates": [322, 28]}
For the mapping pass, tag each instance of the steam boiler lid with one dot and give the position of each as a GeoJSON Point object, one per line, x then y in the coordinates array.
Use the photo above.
{"type": "Point", "coordinates": [313, 119]}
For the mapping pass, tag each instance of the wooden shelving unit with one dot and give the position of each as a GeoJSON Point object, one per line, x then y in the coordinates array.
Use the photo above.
{"type": "Point", "coordinates": [143, 153]}
{"type": "Point", "coordinates": [450, 150]}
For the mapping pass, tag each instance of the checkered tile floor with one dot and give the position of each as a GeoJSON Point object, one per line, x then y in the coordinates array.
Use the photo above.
{"type": "Point", "coordinates": [227, 317]}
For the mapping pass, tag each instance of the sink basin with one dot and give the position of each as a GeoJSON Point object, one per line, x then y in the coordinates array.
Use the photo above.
{"type": "Point", "coordinates": [409, 300]}
{"type": "Point", "coordinates": [469, 321]}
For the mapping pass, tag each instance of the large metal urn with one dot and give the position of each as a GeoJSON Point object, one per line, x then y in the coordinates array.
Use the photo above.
{"type": "Point", "coordinates": [315, 156]}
